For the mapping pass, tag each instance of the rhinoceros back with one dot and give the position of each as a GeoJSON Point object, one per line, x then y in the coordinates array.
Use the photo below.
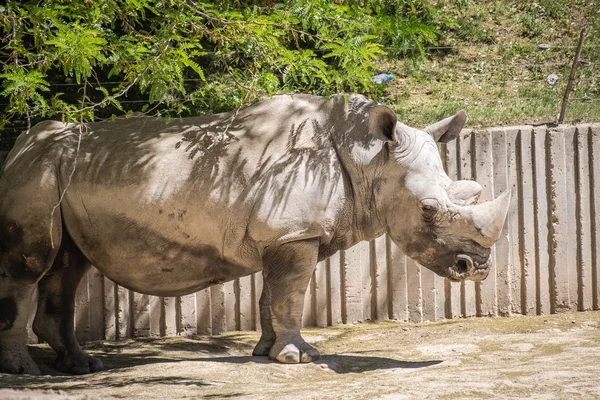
{"type": "Point", "coordinates": [172, 207]}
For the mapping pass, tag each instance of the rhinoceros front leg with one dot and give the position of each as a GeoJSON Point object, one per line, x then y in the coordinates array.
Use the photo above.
{"type": "Point", "coordinates": [287, 272]}
{"type": "Point", "coordinates": [267, 337]}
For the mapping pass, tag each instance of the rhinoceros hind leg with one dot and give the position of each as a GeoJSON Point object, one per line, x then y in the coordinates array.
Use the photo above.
{"type": "Point", "coordinates": [287, 272]}
{"type": "Point", "coordinates": [30, 235]}
{"type": "Point", "coordinates": [14, 313]}
{"type": "Point", "coordinates": [56, 307]}
{"type": "Point", "coordinates": [25, 256]}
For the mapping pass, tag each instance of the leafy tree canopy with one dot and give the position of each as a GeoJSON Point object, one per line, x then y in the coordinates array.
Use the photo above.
{"type": "Point", "coordinates": [88, 59]}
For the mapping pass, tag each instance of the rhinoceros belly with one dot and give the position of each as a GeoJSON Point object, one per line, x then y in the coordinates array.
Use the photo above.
{"type": "Point", "coordinates": [166, 249]}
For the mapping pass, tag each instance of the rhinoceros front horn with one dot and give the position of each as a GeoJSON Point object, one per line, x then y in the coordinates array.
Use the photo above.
{"type": "Point", "coordinates": [489, 218]}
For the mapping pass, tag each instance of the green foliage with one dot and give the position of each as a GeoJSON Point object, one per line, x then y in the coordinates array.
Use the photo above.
{"type": "Point", "coordinates": [78, 49]}
{"type": "Point", "coordinates": [89, 59]}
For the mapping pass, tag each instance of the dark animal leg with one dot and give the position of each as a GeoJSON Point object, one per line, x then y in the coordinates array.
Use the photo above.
{"type": "Point", "coordinates": [267, 337]}
{"type": "Point", "coordinates": [27, 252]}
{"type": "Point", "coordinates": [56, 308]}
{"type": "Point", "coordinates": [288, 269]}
{"type": "Point", "coordinates": [15, 305]}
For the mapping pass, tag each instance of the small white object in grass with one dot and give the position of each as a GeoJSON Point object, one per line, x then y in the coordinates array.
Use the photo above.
{"type": "Point", "coordinates": [382, 78]}
{"type": "Point", "coordinates": [552, 79]}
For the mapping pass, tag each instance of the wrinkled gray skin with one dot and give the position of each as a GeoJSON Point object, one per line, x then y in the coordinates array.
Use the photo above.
{"type": "Point", "coordinates": [171, 208]}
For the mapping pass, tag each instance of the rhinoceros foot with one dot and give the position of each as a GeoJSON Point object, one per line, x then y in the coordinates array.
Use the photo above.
{"type": "Point", "coordinates": [79, 364]}
{"type": "Point", "coordinates": [294, 353]}
{"type": "Point", "coordinates": [17, 361]}
{"type": "Point", "coordinates": [263, 347]}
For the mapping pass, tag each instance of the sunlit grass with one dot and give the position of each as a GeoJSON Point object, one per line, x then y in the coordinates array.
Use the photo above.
{"type": "Point", "coordinates": [495, 69]}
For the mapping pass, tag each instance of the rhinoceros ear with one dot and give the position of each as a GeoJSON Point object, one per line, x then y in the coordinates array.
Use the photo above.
{"type": "Point", "coordinates": [447, 129]}
{"type": "Point", "coordinates": [382, 123]}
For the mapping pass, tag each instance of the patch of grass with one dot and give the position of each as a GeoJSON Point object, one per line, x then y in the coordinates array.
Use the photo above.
{"type": "Point", "coordinates": [495, 70]}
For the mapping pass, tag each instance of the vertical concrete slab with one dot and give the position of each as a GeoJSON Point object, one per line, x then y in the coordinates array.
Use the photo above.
{"type": "Point", "coordinates": [503, 245]}
{"type": "Point", "coordinates": [321, 294]}
{"type": "Point", "coordinates": [203, 312]}
{"type": "Point", "coordinates": [559, 227]}
{"type": "Point", "coordinates": [230, 316]}
{"type": "Point", "coordinates": [569, 133]}
{"type": "Point", "coordinates": [96, 307]}
{"type": "Point", "coordinates": [594, 174]}
{"type": "Point", "coordinates": [514, 220]}
{"type": "Point", "coordinates": [415, 296]}
{"type": "Point", "coordinates": [257, 292]}
{"type": "Point", "coordinates": [124, 313]}
{"type": "Point", "coordinates": [381, 308]}
{"type": "Point", "coordinates": [156, 317]}
{"type": "Point", "coordinates": [398, 283]}
{"type": "Point", "coordinates": [244, 301]}
{"type": "Point", "coordinates": [170, 322]}
{"type": "Point", "coordinates": [540, 145]}
{"type": "Point", "coordinates": [111, 326]}
{"type": "Point", "coordinates": [188, 322]}
{"type": "Point", "coordinates": [527, 220]}
{"type": "Point", "coordinates": [353, 259]}
{"type": "Point", "coordinates": [452, 291]}
{"type": "Point", "coordinates": [440, 297]}
{"type": "Point", "coordinates": [217, 302]}
{"type": "Point", "coordinates": [141, 315]}
{"type": "Point", "coordinates": [334, 290]}
{"type": "Point", "coordinates": [465, 162]}
{"type": "Point", "coordinates": [584, 219]}
{"type": "Point", "coordinates": [368, 281]}
{"type": "Point", "coordinates": [487, 302]}
{"type": "Point", "coordinates": [428, 293]}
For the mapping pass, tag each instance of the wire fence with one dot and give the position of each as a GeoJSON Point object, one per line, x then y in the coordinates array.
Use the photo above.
{"type": "Point", "coordinates": [479, 75]}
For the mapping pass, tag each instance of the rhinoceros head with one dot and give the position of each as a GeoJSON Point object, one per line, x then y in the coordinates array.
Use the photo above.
{"type": "Point", "coordinates": [435, 220]}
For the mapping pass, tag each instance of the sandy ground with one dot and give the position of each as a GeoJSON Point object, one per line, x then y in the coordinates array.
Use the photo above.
{"type": "Point", "coordinates": [523, 357]}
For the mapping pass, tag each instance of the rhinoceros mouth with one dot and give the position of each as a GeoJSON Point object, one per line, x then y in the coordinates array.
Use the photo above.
{"type": "Point", "coordinates": [466, 268]}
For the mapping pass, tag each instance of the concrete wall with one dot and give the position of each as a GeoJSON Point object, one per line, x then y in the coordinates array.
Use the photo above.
{"type": "Point", "coordinates": [545, 262]}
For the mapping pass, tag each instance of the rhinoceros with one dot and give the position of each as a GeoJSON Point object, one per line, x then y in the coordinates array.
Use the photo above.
{"type": "Point", "coordinates": [171, 207]}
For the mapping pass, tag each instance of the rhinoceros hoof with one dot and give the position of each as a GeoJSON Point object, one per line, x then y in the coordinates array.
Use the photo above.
{"type": "Point", "coordinates": [79, 365]}
{"type": "Point", "coordinates": [20, 363]}
{"type": "Point", "coordinates": [263, 347]}
{"type": "Point", "coordinates": [290, 354]}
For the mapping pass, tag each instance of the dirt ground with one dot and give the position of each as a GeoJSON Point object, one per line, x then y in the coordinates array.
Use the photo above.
{"type": "Point", "coordinates": [546, 357]}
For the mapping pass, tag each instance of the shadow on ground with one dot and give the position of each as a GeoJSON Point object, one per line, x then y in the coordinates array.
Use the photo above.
{"type": "Point", "coordinates": [120, 356]}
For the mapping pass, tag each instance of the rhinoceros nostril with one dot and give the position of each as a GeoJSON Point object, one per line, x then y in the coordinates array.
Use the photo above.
{"type": "Point", "coordinates": [461, 267]}
{"type": "Point", "coordinates": [464, 264]}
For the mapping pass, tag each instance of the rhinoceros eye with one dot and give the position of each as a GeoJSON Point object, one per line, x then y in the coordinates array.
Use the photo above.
{"type": "Point", "coordinates": [429, 208]}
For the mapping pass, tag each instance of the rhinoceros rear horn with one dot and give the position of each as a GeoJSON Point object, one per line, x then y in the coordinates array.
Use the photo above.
{"type": "Point", "coordinates": [447, 129]}
{"type": "Point", "coordinates": [489, 218]}
{"type": "Point", "coordinates": [382, 123]}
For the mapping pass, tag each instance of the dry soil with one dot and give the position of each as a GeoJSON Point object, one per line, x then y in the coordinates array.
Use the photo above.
{"type": "Point", "coordinates": [546, 357]}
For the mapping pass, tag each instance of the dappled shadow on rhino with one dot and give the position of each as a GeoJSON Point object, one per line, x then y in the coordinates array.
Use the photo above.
{"type": "Point", "coordinates": [171, 207]}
